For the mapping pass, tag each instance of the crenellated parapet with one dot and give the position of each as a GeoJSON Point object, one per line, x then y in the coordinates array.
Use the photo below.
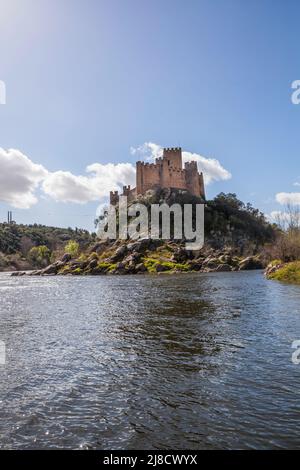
{"type": "Point", "coordinates": [126, 190]}
{"type": "Point", "coordinates": [166, 172]}
{"type": "Point", "coordinates": [114, 197]}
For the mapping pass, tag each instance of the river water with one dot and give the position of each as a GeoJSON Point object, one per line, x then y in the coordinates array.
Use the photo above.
{"type": "Point", "coordinates": [198, 361]}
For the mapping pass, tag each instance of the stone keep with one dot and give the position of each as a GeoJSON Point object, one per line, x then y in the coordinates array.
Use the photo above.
{"type": "Point", "coordinates": [166, 172]}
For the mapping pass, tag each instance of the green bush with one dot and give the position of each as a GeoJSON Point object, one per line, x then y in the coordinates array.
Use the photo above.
{"type": "Point", "coordinates": [72, 248]}
{"type": "Point", "coordinates": [39, 256]}
{"type": "Point", "coordinates": [288, 273]}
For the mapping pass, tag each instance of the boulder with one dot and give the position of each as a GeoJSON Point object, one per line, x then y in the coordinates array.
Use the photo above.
{"type": "Point", "coordinates": [36, 272]}
{"type": "Point", "coordinates": [210, 263]}
{"type": "Point", "coordinates": [78, 264]}
{"type": "Point", "coordinates": [272, 268]}
{"type": "Point", "coordinates": [119, 254]}
{"type": "Point", "coordinates": [180, 255]}
{"type": "Point", "coordinates": [100, 247]}
{"type": "Point", "coordinates": [92, 264]}
{"type": "Point", "coordinates": [134, 246]}
{"type": "Point", "coordinates": [101, 269]}
{"type": "Point", "coordinates": [195, 264]}
{"type": "Point", "coordinates": [133, 258]}
{"type": "Point", "coordinates": [160, 268]}
{"type": "Point", "coordinates": [140, 268]}
{"type": "Point", "coordinates": [225, 258]}
{"type": "Point", "coordinates": [93, 256]}
{"type": "Point", "coordinates": [51, 269]}
{"type": "Point", "coordinates": [66, 257]}
{"type": "Point", "coordinates": [120, 269]}
{"type": "Point", "coordinates": [251, 262]}
{"type": "Point", "coordinates": [139, 246]}
{"type": "Point", "coordinates": [224, 267]}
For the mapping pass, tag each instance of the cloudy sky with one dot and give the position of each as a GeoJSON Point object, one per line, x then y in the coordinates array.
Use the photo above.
{"type": "Point", "coordinates": [93, 86]}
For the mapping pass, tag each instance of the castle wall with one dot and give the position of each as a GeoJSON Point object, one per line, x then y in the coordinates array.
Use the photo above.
{"type": "Point", "coordinates": [129, 192]}
{"type": "Point", "coordinates": [173, 156]}
{"type": "Point", "coordinates": [151, 176]}
{"type": "Point", "coordinates": [192, 178]}
{"type": "Point", "coordinates": [166, 172]}
{"type": "Point", "coordinates": [201, 183]}
{"type": "Point", "coordinates": [113, 197]}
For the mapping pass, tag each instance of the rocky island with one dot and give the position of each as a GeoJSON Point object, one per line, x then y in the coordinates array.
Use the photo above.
{"type": "Point", "coordinates": [236, 237]}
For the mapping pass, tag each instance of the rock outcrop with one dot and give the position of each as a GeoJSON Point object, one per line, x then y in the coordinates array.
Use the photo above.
{"type": "Point", "coordinates": [148, 256]}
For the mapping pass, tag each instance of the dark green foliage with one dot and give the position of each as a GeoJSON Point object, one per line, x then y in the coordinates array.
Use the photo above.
{"type": "Point", "coordinates": [11, 236]}
{"type": "Point", "coordinates": [39, 256]}
{"type": "Point", "coordinates": [225, 213]}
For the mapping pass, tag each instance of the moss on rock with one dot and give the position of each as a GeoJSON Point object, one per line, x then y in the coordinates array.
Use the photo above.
{"type": "Point", "coordinates": [289, 272]}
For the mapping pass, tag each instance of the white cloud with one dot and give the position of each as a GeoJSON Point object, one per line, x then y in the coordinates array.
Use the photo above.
{"type": "Point", "coordinates": [296, 183]}
{"type": "Point", "coordinates": [278, 217]}
{"type": "Point", "coordinates": [212, 168]}
{"type": "Point", "coordinates": [63, 186]}
{"type": "Point", "coordinates": [148, 151]}
{"type": "Point", "coordinates": [288, 198]}
{"type": "Point", "coordinates": [19, 178]}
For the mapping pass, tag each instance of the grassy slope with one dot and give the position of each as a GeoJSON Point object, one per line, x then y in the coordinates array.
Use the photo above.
{"type": "Point", "coordinates": [290, 272]}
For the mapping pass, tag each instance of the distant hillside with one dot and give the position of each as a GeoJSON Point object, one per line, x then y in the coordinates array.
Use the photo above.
{"type": "Point", "coordinates": [232, 229]}
{"type": "Point", "coordinates": [17, 242]}
{"type": "Point", "coordinates": [14, 237]}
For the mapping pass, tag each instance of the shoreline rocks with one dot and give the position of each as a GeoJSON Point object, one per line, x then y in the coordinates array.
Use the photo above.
{"type": "Point", "coordinates": [288, 272]}
{"type": "Point", "coordinates": [148, 256]}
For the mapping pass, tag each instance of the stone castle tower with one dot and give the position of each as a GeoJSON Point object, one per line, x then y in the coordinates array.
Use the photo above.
{"type": "Point", "coordinates": [166, 172]}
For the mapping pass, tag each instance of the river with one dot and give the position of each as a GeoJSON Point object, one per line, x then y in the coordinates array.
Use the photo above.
{"type": "Point", "coordinates": [185, 361]}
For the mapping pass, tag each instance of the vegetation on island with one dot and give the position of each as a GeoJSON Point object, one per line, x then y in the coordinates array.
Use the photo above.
{"type": "Point", "coordinates": [236, 236]}
{"type": "Point", "coordinates": [285, 252]}
{"type": "Point", "coordinates": [288, 272]}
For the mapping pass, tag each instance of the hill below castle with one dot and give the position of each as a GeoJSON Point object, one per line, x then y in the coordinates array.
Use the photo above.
{"type": "Point", "coordinates": [235, 237]}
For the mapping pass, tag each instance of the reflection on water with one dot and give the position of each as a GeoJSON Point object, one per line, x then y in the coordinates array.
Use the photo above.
{"type": "Point", "coordinates": [182, 361]}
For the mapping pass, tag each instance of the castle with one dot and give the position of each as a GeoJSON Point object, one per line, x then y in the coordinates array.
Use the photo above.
{"type": "Point", "coordinates": [166, 172]}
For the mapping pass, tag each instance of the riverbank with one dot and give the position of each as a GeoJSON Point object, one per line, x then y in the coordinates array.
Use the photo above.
{"type": "Point", "coordinates": [285, 272]}
{"type": "Point", "coordinates": [148, 256]}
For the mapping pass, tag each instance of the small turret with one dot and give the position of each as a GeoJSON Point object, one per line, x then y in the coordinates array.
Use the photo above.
{"type": "Point", "coordinates": [114, 197]}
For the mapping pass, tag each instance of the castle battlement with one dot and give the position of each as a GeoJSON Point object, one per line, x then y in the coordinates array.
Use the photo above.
{"type": "Point", "coordinates": [166, 172]}
{"type": "Point", "coordinates": [190, 165]}
{"type": "Point", "coordinates": [172, 149]}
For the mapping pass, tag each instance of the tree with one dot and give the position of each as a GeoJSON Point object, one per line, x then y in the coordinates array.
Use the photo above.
{"type": "Point", "coordinates": [72, 248]}
{"type": "Point", "coordinates": [39, 256]}
{"type": "Point", "coordinates": [287, 246]}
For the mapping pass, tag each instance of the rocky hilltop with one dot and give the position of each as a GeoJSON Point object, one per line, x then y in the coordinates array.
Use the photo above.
{"type": "Point", "coordinates": [149, 256]}
{"type": "Point", "coordinates": [235, 235]}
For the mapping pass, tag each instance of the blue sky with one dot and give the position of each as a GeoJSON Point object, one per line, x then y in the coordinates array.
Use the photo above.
{"type": "Point", "coordinates": [86, 81]}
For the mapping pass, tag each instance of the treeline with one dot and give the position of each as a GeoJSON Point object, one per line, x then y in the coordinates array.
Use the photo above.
{"type": "Point", "coordinates": [16, 238]}
{"type": "Point", "coordinates": [228, 222]}
{"type": "Point", "coordinates": [226, 215]}
{"type": "Point", "coordinates": [227, 219]}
